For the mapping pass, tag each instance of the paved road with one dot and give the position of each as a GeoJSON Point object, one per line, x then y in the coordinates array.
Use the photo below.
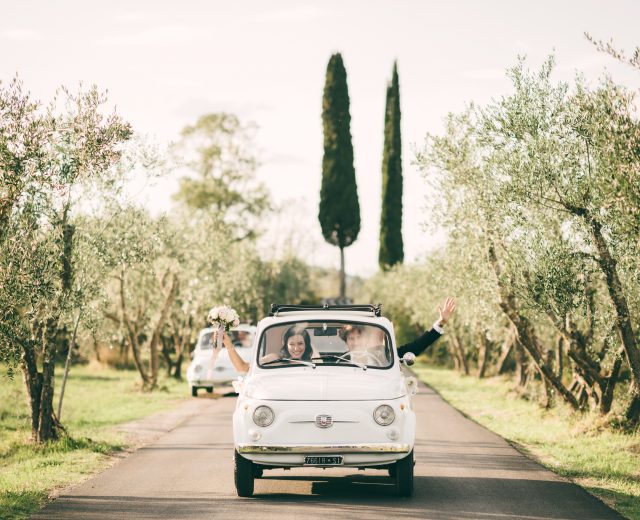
{"type": "Point", "coordinates": [463, 472]}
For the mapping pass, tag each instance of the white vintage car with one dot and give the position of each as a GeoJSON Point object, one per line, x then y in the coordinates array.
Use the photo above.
{"type": "Point", "coordinates": [325, 388]}
{"type": "Point", "coordinates": [209, 368]}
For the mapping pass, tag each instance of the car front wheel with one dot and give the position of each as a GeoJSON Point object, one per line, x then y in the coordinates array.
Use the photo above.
{"type": "Point", "coordinates": [243, 475]}
{"type": "Point", "coordinates": [194, 391]}
{"type": "Point", "coordinates": [209, 389]}
{"type": "Point", "coordinates": [404, 475]}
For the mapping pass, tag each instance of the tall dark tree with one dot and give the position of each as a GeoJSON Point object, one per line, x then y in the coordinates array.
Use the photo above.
{"type": "Point", "coordinates": [339, 213]}
{"type": "Point", "coordinates": [391, 247]}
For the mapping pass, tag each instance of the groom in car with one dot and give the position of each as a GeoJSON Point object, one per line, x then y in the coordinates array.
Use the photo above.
{"type": "Point", "coordinates": [352, 334]}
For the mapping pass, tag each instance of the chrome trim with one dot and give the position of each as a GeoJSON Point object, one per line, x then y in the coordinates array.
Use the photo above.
{"type": "Point", "coordinates": [313, 422]}
{"type": "Point", "coordinates": [382, 447]}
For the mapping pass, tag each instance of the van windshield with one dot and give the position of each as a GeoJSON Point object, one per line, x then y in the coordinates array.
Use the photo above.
{"type": "Point", "coordinates": [325, 343]}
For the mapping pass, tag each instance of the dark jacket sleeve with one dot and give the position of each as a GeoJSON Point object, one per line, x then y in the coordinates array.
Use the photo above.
{"type": "Point", "coordinates": [419, 345]}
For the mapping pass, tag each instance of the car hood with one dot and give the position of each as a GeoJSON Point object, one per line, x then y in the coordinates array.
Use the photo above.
{"type": "Point", "coordinates": [313, 385]}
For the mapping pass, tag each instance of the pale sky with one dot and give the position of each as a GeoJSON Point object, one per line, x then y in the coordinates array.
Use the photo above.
{"type": "Point", "coordinates": [166, 63]}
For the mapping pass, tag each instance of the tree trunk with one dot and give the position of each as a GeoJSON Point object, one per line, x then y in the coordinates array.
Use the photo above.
{"type": "Point", "coordinates": [180, 335]}
{"type": "Point", "coordinates": [39, 385]}
{"type": "Point", "coordinates": [521, 364]}
{"type": "Point", "coordinates": [96, 347]}
{"type": "Point", "coordinates": [588, 382]}
{"type": "Point", "coordinates": [454, 355]}
{"type": "Point", "coordinates": [460, 353]}
{"type": "Point", "coordinates": [137, 359]}
{"type": "Point", "coordinates": [68, 362]}
{"type": "Point", "coordinates": [132, 334]}
{"type": "Point", "coordinates": [177, 373]}
{"type": "Point", "coordinates": [548, 390]}
{"type": "Point", "coordinates": [526, 333]}
{"type": "Point", "coordinates": [560, 356]}
{"type": "Point", "coordinates": [607, 393]}
{"type": "Point", "coordinates": [585, 370]}
{"type": "Point", "coordinates": [155, 337]}
{"type": "Point", "coordinates": [483, 353]}
{"type": "Point", "coordinates": [47, 430]}
{"type": "Point", "coordinates": [166, 354]}
{"type": "Point", "coordinates": [150, 378]}
{"type": "Point", "coordinates": [633, 410]}
{"type": "Point", "coordinates": [507, 348]}
{"type": "Point", "coordinates": [578, 389]}
{"type": "Point", "coordinates": [343, 283]}
{"type": "Point", "coordinates": [33, 384]}
{"type": "Point", "coordinates": [609, 266]}
{"type": "Point", "coordinates": [124, 351]}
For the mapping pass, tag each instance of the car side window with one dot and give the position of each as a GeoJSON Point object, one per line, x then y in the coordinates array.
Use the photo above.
{"type": "Point", "coordinates": [206, 341]}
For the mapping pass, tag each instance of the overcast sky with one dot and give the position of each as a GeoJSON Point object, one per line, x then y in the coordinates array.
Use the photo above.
{"type": "Point", "coordinates": [165, 63]}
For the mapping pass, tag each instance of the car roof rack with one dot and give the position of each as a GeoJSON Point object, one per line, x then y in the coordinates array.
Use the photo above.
{"type": "Point", "coordinates": [279, 308]}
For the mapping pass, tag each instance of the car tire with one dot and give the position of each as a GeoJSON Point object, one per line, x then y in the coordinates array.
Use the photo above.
{"type": "Point", "coordinates": [194, 391]}
{"type": "Point", "coordinates": [243, 475]}
{"type": "Point", "coordinates": [209, 389]}
{"type": "Point", "coordinates": [404, 476]}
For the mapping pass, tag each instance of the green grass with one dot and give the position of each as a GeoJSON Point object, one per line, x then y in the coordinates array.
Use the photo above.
{"type": "Point", "coordinates": [96, 400]}
{"type": "Point", "coordinates": [604, 461]}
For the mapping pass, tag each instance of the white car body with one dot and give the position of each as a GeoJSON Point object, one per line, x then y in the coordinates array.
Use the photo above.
{"type": "Point", "coordinates": [324, 416]}
{"type": "Point", "coordinates": [208, 370]}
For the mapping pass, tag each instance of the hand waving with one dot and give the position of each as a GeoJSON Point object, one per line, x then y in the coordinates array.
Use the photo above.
{"type": "Point", "coordinates": [446, 311]}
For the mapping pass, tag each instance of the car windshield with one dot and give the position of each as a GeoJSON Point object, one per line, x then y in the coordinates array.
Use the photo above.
{"type": "Point", "coordinates": [239, 338]}
{"type": "Point", "coordinates": [325, 343]}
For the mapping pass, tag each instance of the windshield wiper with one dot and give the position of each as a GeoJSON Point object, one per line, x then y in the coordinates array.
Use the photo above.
{"type": "Point", "coordinates": [300, 361]}
{"type": "Point", "coordinates": [343, 358]}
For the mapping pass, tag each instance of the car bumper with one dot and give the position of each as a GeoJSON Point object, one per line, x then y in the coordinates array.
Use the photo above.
{"type": "Point", "coordinates": [333, 449]}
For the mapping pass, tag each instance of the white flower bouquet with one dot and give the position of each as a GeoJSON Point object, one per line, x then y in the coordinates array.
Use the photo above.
{"type": "Point", "coordinates": [223, 317]}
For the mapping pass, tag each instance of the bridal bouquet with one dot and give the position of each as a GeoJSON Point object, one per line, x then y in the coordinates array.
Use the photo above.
{"type": "Point", "coordinates": [223, 318]}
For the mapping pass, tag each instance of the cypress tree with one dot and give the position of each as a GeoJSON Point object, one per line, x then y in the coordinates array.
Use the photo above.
{"type": "Point", "coordinates": [391, 247]}
{"type": "Point", "coordinates": [339, 212]}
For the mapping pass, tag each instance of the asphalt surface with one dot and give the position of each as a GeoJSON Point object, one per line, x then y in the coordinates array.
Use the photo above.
{"type": "Point", "coordinates": [462, 472]}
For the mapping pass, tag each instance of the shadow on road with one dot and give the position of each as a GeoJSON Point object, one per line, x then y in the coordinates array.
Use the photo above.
{"type": "Point", "coordinates": [447, 498]}
{"type": "Point", "coordinates": [350, 487]}
{"type": "Point", "coordinates": [354, 496]}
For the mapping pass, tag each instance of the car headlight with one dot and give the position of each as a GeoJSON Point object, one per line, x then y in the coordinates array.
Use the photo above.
{"type": "Point", "coordinates": [384, 415]}
{"type": "Point", "coordinates": [197, 368]}
{"type": "Point", "coordinates": [263, 416]}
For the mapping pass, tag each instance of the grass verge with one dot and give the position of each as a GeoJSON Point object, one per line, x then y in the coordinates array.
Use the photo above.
{"type": "Point", "coordinates": [96, 400]}
{"type": "Point", "coordinates": [581, 447]}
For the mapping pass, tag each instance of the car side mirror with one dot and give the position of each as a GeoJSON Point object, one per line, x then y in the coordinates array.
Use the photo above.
{"type": "Point", "coordinates": [192, 353]}
{"type": "Point", "coordinates": [409, 359]}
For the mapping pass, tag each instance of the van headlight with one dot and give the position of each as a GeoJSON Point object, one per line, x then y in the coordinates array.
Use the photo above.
{"type": "Point", "coordinates": [384, 415]}
{"type": "Point", "coordinates": [263, 416]}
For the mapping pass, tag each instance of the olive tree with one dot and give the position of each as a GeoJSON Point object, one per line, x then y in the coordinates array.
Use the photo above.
{"type": "Point", "coordinates": [48, 156]}
{"type": "Point", "coordinates": [547, 179]}
{"type": "Point", "coordinates": [574, 152]}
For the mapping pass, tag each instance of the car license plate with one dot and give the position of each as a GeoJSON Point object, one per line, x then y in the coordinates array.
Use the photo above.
{"type": "Point", "coordinates": [323, 461]}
